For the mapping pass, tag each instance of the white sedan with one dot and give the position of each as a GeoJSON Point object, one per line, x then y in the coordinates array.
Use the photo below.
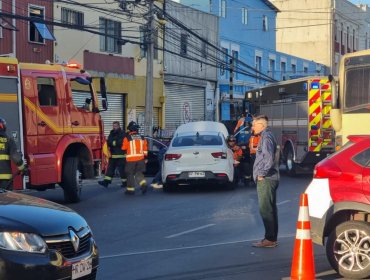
{"type": "Point", "coordinates": [198, 153]}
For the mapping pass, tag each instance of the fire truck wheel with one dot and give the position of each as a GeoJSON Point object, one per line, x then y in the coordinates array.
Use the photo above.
{"type": "Point", "coordinates": [289, 162]}
{"type": "Point", "coordinates": [71, 180]}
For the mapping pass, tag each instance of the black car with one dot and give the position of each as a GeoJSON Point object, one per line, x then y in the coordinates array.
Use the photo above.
{"type": "Point", "coordinates": [40, 239]}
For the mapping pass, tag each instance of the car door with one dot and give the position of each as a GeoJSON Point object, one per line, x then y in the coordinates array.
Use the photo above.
{"type": "Point", "coordinates": [364, 159]}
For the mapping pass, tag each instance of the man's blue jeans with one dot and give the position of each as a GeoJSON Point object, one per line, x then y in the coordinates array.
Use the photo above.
{"type": "Point", "coordinates": [266, 190]}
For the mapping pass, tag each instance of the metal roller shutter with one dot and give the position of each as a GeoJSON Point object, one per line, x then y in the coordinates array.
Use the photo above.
{"type": "Point", "coordinates": [116, 108]}
{"type": "Point", "coordinates": [184, 103]}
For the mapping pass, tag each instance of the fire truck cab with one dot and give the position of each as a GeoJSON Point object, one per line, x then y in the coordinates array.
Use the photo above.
{"type": "Point", "coordinates": [61, 142]}
{"type": "Point", "coordinates": [299, 116]}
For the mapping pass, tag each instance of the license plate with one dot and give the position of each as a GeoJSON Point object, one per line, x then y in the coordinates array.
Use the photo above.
{"type": "Point", "coordinates": [197, 174]}
{"type": "Point", "coordinates": [81, 268]}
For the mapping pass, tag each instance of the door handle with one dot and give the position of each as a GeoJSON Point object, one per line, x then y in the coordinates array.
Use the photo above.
{"type": "Point", "coordinates": [42, 123]}
{"type": "Point", "coordinates": [75, 123]}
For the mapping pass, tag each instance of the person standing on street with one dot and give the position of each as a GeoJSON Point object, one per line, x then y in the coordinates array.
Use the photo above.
{"type": "Point", "coordinates": [8, 153]}
{"type": "Point", "coordinates": [266, 176]}
{"type": "Point", "coordinates": [117, 158]}
{"type": "Point", "coordinates": [136, 148]}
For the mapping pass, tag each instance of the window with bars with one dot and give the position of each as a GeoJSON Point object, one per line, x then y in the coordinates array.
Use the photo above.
{"type": "Point", "coordinates": [110, 41]}
{"type": "Point", "coordinates": [265, 25]}
{"type": "Point", "coordinates": [244, 15]}
{"type": "Point", "coordinates": [184, 44]}
{"type": "Point", "coordinates": [222, 8]}
{"type": "Point", "coordinates": [72, 17]}
{"type": "Point", "coordinates": [34, 34]}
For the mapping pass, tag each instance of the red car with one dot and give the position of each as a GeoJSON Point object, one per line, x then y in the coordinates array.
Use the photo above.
{"type": "Point", "coordinates": [339, 206]}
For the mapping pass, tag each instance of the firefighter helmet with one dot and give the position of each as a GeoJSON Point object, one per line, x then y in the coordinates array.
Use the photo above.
{"type": "Point", "coordinates": [133, 126]}
{"type": "Point", "coordinates": [2, 124]}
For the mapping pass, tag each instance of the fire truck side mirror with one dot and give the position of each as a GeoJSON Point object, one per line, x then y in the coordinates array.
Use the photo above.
{"type": "Point", "coordinates": [103, 92]}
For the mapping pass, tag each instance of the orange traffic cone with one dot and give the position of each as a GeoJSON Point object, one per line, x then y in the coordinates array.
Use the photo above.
{"type": "Point", "coordinates": [303, 266]}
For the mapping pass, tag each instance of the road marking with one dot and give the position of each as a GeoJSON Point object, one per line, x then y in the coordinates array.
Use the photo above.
{"type": "Point", "coordinates": [190, 230]}
{"type": "Point", "coordinates": [283, 202]}
{"type": "Point", "coordinates": [185, 248]}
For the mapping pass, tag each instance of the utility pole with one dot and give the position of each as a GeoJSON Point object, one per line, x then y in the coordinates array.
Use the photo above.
{"type": "Point", "coordinates": [231, 79]}
{"type": "Point", "coordinates": [148, 119]}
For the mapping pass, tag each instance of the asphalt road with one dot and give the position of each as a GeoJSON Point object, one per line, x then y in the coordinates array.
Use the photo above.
{"type": "Point", "coordinates": [191, 234]}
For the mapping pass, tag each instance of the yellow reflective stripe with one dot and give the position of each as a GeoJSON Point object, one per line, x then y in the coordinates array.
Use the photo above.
{"type": "Point", "coordinates": [130, 188]}
{"type": "Point", "coordinates": [118, 156]}
{"type": "Point", "coordinates": [142, 182]}
{"type": "Point", "coordinates": [4, 157]}
{"type": "Point", "coordinates": [134, 155]}
{"type": "Point", "coordinates": [8, 97]}
{"type": "Point", "coordinates": [107, 178]}
{"type": "Point", "coordinates": [5, 176]}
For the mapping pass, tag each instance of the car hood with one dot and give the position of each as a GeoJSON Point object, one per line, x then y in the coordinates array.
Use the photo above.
{"type": "Point", "coordinates": [24, 213]}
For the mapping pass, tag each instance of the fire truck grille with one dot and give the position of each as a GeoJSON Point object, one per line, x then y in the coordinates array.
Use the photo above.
{"type": "Point", "coordinates": [66, 247]}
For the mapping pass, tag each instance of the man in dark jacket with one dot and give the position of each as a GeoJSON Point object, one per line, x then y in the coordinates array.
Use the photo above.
{"type": "Point", "coordinates": [117, 158]}
{"type": "Point", "coordinates": [266, 176]}
{"type": "Point", "coordinates": [8, 153]}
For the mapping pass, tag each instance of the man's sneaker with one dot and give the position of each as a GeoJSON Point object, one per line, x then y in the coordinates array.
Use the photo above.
{"type": "Point", "coordinates": [156, 186]}
{"type": "Point", "coordinates": [103, 183]}
{"type": "Point", "coordinates": [144, 188]}
{"type": "Point", "coordinates": [264, 243]}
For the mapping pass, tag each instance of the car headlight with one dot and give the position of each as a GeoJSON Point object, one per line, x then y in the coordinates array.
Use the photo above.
{"type": "Point", "coordinates": [25, 242]}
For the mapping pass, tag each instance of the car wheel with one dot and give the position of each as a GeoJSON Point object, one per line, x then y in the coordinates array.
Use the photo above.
{"type": "Point", "coordinates": [71, 180]}
{"type": "Point", "coordinates": [348, 249]}
{"type": "Point", "coordinates": [289, 162]}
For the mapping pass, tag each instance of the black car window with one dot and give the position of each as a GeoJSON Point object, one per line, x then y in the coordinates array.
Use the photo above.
{"type": "Point", "coordinates": [363, 158]}
{"type": "Point", "coordinates": [197, 140]}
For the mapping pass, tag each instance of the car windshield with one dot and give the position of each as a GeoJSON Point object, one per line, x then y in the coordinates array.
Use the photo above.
{"type": "Point", "coordinates": [197, 140]}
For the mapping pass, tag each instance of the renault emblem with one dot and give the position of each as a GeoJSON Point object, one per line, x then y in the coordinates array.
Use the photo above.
{"type": "Point", "coordinates": [74, 239]}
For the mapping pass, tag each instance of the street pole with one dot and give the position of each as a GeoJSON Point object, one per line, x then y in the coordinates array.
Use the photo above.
{"type": "Point", "coordinates": [148, 119]}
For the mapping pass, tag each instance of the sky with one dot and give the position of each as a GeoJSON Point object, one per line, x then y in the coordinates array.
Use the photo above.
{"type": "Point", "coordinates": [360, 2]}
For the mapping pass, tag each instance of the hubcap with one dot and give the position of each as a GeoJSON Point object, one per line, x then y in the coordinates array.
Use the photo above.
{"type": "Point", "coordinates": [352, 250]}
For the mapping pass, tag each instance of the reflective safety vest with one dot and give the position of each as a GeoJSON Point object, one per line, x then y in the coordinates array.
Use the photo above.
{"type": "Point", "coordinates": [253, 143]}
{"type": "Point", "coordinates": [136, 147]}
{"type": "Point", "coordinates": [8, 152]}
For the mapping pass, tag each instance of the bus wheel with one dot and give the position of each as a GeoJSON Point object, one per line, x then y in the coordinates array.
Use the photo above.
{"type": "Point", "coordinates": [289, 162]}
{"type": "Point", "coordinates": [71, 179]}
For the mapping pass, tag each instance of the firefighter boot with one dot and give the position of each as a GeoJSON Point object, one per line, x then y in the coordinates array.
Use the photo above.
{"type": "Point", "coordinates": [130, 191]}
{"type": "Point", "coordinates": [124, 183]}
{"type": "Point", "coordinates": [143, 186]}
{"type": "Point", "coordinates": [104, 183]}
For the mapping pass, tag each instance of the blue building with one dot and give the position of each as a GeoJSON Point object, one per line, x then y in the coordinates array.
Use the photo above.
{"type": "Point", "coordinates": [247, 37]}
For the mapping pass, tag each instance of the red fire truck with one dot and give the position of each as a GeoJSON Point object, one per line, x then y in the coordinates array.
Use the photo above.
{"type": "Point", "coordinates": [61, 143]}
{"type": "Point", "coordinates": [299, 116]}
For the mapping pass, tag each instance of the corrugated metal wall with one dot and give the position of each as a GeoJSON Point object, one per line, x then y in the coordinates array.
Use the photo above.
{"type": "Point", "coordinates": [184, 103]}
{"type": "Point", "coordinates": [116, 108]}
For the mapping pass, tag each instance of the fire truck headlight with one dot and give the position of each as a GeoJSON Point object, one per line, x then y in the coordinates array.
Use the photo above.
{"type": "Point", "coordinates": [25, 242]}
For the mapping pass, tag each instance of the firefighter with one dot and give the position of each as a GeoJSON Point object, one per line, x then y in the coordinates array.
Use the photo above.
{"type": "Point", "coordinates": [117, 157]}
{"type": "Point", "coordinates": [237, 154]}
{"type": "Point", "coordinates": [136, 148]}
{"type": "Point", "coordinates": [8, 153]}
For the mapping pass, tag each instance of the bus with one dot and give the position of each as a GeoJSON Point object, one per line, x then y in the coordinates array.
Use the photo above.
{"type": "Point", "coordinates": [350, 113]}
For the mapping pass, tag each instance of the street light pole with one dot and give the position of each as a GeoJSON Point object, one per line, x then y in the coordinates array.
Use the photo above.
{"type": "Point", "coordinates": [148, 119]}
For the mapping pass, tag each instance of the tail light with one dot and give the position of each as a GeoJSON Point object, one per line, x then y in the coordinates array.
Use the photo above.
{"type": "Point", "coordinates": [172, 156]}
{"type": "Point", "coordinates": [221, 175]}
{"type": "Point", "coordinates": [219, 155]}
{"type": "Point", "coordinates": [327, 169]}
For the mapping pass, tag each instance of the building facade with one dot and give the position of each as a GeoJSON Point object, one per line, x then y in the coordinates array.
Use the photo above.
{"type": "Point", "coordinates": [322, 30]}
{"type": "Point", "coordinates": [248, 55]}
{"type": "Point", "coordinates": [190, 74]}
{"type": "Point", "coordinates": [110, 41]}
{"type": "Point", "coordinates": [20, 34]}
